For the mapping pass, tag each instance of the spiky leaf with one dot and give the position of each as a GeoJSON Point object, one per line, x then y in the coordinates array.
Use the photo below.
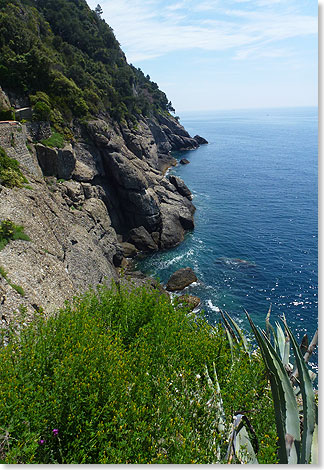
{"type": "Point", "coordinates": [309, 404]}
{"type": "Point", "coordinates": [286, 411]}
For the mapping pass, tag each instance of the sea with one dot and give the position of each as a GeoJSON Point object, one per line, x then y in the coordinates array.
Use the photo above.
{"type": "Point", "coordinates": [255, 242]}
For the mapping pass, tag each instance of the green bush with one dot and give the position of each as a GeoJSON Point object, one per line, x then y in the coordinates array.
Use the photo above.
{"type": "Point", "coordinates": [10, 173]}
{"type": "Point", "coordinates": [118, 377]}
{"type": "Point", "coordinates": [56, 140]}
{"type": "Point", "coordinates": [10, 231]}
{"type": "Point", "coordinates": [7, 114]}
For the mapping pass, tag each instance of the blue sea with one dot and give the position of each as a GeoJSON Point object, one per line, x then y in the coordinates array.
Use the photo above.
{"type": "Point", "coordinates": [255, 238]}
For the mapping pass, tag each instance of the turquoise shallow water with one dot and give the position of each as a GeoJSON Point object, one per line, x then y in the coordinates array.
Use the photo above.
{"type": "Point", "coordinates": [255, 190]}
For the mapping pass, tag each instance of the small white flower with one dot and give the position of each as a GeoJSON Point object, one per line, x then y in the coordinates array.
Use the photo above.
{"type": "Point", "coordinates": [197, 376]}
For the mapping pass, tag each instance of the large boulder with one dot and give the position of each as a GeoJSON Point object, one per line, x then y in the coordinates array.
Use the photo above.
{"type": "Point", "coordinates": [181, 279]}
{"type": "Point", "coordinates": [143, 241]}
{"type": "Point", "coordinates": [65, 162]}
{"type": "Point", "coordinates": [128, 249]}
{"type": "Point", "coordinates": [47, 159]}
{"type": "Point", "coordinates": [181, 187]}
{"type": "Point", "coordinates": [54, 162]}
{"type": "Point", "coordinates": [124, 172]}
{"type": "Point", "coordinates": [200, 140]}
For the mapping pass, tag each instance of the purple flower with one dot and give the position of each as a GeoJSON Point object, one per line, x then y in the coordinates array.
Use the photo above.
{"type": "Point", "coordinates": [41, 442]}
{"type": "Point", "coordinates": [55, 432]}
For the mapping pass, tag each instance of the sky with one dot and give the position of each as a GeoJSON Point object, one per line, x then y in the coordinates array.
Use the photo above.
{"type": "Point", "coordinates": [221, 54]}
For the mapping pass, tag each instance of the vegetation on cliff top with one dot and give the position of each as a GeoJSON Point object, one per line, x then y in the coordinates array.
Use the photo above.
{"type": "Point", "coordinates": [120, 377]}
{"type": "Point", "coordinates": [67, 59]}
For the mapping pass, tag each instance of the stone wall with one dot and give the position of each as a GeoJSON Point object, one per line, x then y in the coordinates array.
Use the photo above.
{"type": "Point", "coordinates": [13, 139]}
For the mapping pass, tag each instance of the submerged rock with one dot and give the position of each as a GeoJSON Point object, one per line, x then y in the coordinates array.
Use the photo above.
{"type": "Point", "coordinates": [191, 300]}
{"type": "Point", "coordinates": [181, 279]}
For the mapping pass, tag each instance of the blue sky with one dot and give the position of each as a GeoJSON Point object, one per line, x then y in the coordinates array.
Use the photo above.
{"type": "Point", "coordinates": [221, 54]}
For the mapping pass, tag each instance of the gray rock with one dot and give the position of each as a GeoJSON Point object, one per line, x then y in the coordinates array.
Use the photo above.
{"type": "Point", "coordinates": [181, 279]}
{"type": "Point", "coordinates": [128, 249]}
{"type": "Point", "coordinates": [39, 130]}
{"type": "Point", "coordinates": [68, 251]}
{"type": "Point", "coordinates": [181, 187]}
{"type": "Point", "coordinates": [200, 140]}
{"type": "Point", "coordinates": [172, 231]}
{"type": "Point", "coordinates": [83, 172]}
{"type": "Point", "coordinates": [53, 162]}
{"type": "Point", "coordinates": [191, 301]}
{"type": "Point", "coordinates": [140, 237]}
{"type": "Point", "coordinates": [73, 192]}
{"type": "Point", "coordinates": [123, 171]}
{"type": "Point", "coordinates": [184, 161]}
{"type": "Point", "coordinates": [47, 159]}
{"type": "Point", "coordinates": [65, 162]}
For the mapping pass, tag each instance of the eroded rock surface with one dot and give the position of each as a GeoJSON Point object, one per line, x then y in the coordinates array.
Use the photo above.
{"type": "Point", "coordinates": [90, 205]}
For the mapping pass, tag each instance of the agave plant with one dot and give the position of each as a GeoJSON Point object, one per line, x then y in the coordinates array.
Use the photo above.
{"type": "Point", "coordinates": [291, 386]}
{"type": "Point", "coordinates": [241, 448]}
{"type": "Point", "coordinates": [297, 426]}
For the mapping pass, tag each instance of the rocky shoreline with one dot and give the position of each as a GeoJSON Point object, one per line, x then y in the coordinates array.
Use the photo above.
{"type": "Point", "coordinates": [102, 198]}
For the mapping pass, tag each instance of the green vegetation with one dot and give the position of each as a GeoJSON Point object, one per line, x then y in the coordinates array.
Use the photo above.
{"type": "Point", "coordinates": [10, 231]}
{"type": "Point", "coordinates": [10, 173]}
{"type": "Point", "coordinates": [122, 376]}
{"type": "Point", "coordinates": [293, 394]}
{"type": "Point", "coordinates": [7, 114]}
{"type": "Point", "coordinates": [67, 59]}
{"type": "Point", "coordinates": [17, 288]}
{"type": "Point", "coordinates": [56, 140]}
{"type": "Point", "coordinates": [295, 402]}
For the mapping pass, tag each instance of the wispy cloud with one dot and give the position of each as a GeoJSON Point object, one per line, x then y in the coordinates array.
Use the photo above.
{"type": "Point", "coordinates": [152, 28]}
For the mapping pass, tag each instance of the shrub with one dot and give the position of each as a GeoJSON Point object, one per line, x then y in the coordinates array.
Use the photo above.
{"type": "Point", "coordinates": [7, 114]}
{"type": "Point", "coordinates": [10, 173]}
{"type": "Point", "coordinates": [118, 377]}
{"type": "Point", "coordinates": [10, 231]}
{"type": "Point", "coordinates": [56, 140]}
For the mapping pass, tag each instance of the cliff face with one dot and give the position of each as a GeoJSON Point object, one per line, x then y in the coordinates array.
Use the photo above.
{"type": "Point", "coordinates": [101, 194]}
{"type": "Point", "coordinates": [84, 201]}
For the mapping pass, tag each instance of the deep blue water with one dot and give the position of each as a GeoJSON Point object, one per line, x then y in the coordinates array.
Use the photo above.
{"type": "Point", "coordinates": [255, 190]}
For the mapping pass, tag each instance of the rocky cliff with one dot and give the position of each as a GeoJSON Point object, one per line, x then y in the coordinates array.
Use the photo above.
{"type": "Point", "coordinates": [87, 204]}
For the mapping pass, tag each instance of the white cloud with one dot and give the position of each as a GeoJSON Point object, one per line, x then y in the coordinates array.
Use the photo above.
{"type": "Point", "coordinates": [148, 28]}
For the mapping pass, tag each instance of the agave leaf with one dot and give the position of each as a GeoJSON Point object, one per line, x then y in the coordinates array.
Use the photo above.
{"type": "Point", "coordinates": [304, 344]}
{"type": "Point", "coordinates": [240, 443]}
{"type": "Point", "coordinates": [314, 450]}
{"type": "Point", "coordinates": [268, 325]}
{"type": "Point", "coordinates": [286, 411]}
{"type": "Point", "coordinates": [228, 326]}
{"type": "Point", "coordinates": [275, 340]}
{"type": "Point", "coordinates": [281, 340]}
{"type": "Point", "coordinates": [230, 340]}
{"type": "Point", "coordinates": [240, 333]}
{"type": "Point", "coordinates": [311, 347]}
{"type": "Point", "coordinates": [292, 452]}
{"type": "Point", "coordinates": [309, 404]}
{"type": "Point", "coordinates": [243, 449]}
{"type": "Point", "coordinates": [221, 419]}
{"type": "Point", "coordinates": [312, 375]}
{"type": "Point", "coordinates": [287, 353]}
